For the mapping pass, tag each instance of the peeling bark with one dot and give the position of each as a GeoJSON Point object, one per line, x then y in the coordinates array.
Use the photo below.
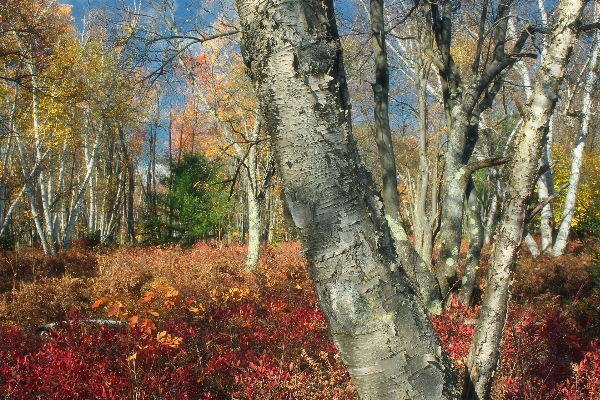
{"type": "Point", "coordinates": [378, 323]}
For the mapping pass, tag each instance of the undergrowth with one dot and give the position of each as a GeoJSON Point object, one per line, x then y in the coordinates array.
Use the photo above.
{"type": "Point", "coordinates": [195, 325]}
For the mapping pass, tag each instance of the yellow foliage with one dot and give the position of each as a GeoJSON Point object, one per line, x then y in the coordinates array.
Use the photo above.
{"type": "Point", "coordinates": [587, 208]}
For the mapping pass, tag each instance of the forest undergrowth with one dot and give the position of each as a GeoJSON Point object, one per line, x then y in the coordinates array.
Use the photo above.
{"type": "Point", "coordinates": [194, 324]}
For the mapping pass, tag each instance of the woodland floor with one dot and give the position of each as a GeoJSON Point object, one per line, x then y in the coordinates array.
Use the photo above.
{"type": "Point", "coordinates": [196, 325]}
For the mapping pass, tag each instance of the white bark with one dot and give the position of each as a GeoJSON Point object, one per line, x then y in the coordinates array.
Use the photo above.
{"type": "Point", "coordinates": [30, 196]}
{"type": "Point", "coordinates": [254, 220]}
{"type": "Point", "coordinates": [571, 198]}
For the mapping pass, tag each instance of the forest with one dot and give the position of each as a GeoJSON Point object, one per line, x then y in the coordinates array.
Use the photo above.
{"type": "Point", "coordinates": [300, 199]}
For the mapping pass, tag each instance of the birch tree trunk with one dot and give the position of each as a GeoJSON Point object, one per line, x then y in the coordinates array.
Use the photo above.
{"type": "Point", "coordinates": [485, 348]}
{"type": "Point", "coordinates": [30, 196]}
{"type": "Point", "coordinates": [254, 220]}
{"type": "Point", "coordinates": [53, 246]}
{"type": "Point", "coordinates": [378, 323]}
{"type": "Point", "coordinates": [463, 104]}
{"type": "Point", "coordinates": [569, 207]}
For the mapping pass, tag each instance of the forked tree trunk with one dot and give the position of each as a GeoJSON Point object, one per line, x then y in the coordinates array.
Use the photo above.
{"type": "Point", "coordinates": [485, 348]}
{"type": "Point", "coordinates": [378, 323]}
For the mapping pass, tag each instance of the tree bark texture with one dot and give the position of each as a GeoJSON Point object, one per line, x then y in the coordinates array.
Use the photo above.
{"type": "Point", "coordinates": [378, 323]}
{"type": "Point", "coordinates": [485, 348]}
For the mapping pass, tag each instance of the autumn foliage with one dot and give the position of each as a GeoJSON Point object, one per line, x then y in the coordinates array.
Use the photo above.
{"type": "Point", "coordinates": [194, 324]}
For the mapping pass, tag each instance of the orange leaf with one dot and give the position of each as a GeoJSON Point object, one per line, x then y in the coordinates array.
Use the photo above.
{"type": "Point", "coordinates": [171, 293]}
{"type": "Point", "coordinates": [152, 312]}
{"type": "Point", "coordinates": [148, 297]}
{"type": "Point", "coordinates": [133, 320]}
{"type": "Point", "coordinates": [98, 302]}
{"type": "Point", "coordinates": [114, 310]}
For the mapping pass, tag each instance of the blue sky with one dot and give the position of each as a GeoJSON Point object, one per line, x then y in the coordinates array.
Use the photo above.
{"type": "Point", "coordinates": [80, 7]}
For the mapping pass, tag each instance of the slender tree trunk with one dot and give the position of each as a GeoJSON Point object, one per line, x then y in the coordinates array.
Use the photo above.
{"type": "Point", "coordinates": [131, 185]}
{"type": "Point", "coordinates": [253, 202]}
{"type": "Point", "coordinates": [545, 190]}
{"type": "Point", "coordinates": [4, 214]}
{"type": "Point", "coordinates": [421, 221]}
{"type": "Point", "coordinates": [494, 176]}
{"type": "Point", "coordinates": [53, 247]}
{"type": "Point", "coordinates": [475, 236]}
{"type": "Point", "coordinates": [77, 204]}
{"type": "Point", "coordinates": [569, 207]}
{"type": "Point", "coordinates": [485, 348]}
{"type": "Point", "coordinates": [378, 323]}
{"type": "Point", "coordinates": [531, 244]}
{"type": "Point", "coordinates": [418, 271]}
{"type": "Point", "coordinates": [383, 134]}
{"type": "Point", "coordinates": [30, 196]}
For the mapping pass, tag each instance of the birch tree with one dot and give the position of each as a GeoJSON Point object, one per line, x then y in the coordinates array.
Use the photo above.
{"type": "Point", "coordinates": [379, 325]}
{"type": "Point", "coordinates": [484, 352]}
{"type": "Point", "coordinates": [292, 53]}
{"type": "Point", "coordinates": [464, 103]}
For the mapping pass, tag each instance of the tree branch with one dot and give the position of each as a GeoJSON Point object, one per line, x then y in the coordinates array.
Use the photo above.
{"type": "Point", "coordinates": [485, 163]}
{"type": "Point", "coordinates": [543, 204]}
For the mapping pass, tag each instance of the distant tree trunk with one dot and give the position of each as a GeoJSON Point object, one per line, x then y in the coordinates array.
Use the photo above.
{"type": "Point", "coordinates": [91, 161]}
{"type": "Point", "coordinates": [30, 196]}
{"type": "Point", "coordinates": [485, 348]}
{"type": "Point", "coordinates": [377, 321]}
{"type": "Point", "coordinates": [418, 271]}
{"type": "Point", "coordinates": [545, 190]}
{"type": "Point", "coordinates": [53, 246]}
{"type": "Point", "coordinates": [463, 104]}
{"type": "Point", "coordinates": [253, 202]}
{"type": "Point", "coordinates": [131, 185]}
{"type": "Point", "coordinates": [531, 243]}
{"type": "Point", "coordinates": [422, 220]}
{"type": "Point", "coordinates": [475, 235]}
{"type": "Point", "coordinates": [585, 114]}
{"type": "Point", "coordinates": [494, 176]}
